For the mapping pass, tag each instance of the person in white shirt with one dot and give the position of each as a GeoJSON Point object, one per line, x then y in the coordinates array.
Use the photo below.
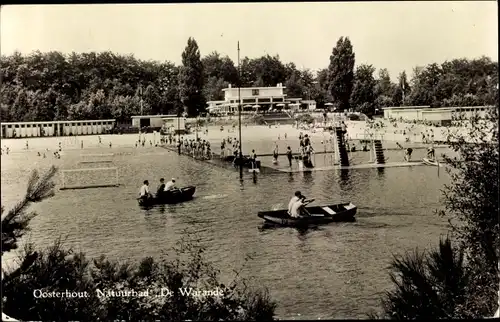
{"type": "Point", "coordinates": [170, 185]}
{"type": "Point", "coordinates": [296, 210]}
{"type": "Point", "coordinates": [294, 199]}
{"type": "Point", "coordinates": [144, 192]}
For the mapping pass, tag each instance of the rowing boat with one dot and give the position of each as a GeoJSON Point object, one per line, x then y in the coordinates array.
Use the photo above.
{"type": "Point", "coordinates": [344, 212]}
{"type": "Point", "coordinates": [169, 197]}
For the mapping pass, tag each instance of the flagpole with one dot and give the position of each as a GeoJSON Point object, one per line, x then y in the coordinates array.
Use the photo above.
{"type": "Point", "coordinates": [239, 114]}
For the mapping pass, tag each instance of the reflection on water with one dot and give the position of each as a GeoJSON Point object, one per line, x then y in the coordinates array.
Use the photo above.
{"type": "Point", "coordinates": [345, 180]}
{"type": "Point", "coordinates": [329, 271]}
{"type": "Point", "coordinates": [308, 177]}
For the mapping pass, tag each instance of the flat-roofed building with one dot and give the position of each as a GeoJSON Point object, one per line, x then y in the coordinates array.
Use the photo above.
{"type": "Point", "coordinates": [56, 128]}
{"type": "Point", "coordinates": [154, 121]}
{"type": "Point", "coordinates": [254, 99]}
{"type": "Point", "coordinates": [441, 115]}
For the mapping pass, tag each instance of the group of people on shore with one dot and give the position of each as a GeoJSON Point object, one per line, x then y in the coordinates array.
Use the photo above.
{"type": "Point", "coordinates": [226, 150]}
{"type": "Point", "coordinates": [306, 150]}
{"type": "Point", "coordinates": [197, 148]}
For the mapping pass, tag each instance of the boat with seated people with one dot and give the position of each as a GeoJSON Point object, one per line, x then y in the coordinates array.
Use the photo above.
{"type": "Point", "coordinates": [344, 212]}
{"type": "Point", "coordinates": [169, 197]}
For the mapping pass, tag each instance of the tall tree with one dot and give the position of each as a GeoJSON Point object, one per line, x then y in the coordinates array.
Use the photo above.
{"type": "Point", "coordinates": [295, 86]}
{"type": "Point", "coordinates": [191, 80]}
{"type": "Point", "coordinates": [403, 90]}
{"type": "Point", "coordinates": [341, 73]}
{"type": "Point", "coordinates": [248, 72]}
{"type": "Point", "coordinates": [213, 89]}
{"type": "Point", "coordinates": [385, 89]}
{"type": "Point", "coordinates": [363, 94]}
{"type": "Point", "coordinates": [270, 70]}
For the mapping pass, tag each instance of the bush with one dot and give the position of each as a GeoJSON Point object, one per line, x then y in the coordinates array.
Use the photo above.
{"type": "Point", "coordinates": [258, 119]}
{"type": "Point", "coordinates": [304, 118]}
{"type": "Point", "coordinates": [430, 285]}
{"type": "Point", "coordinates": [57, 269]}
{"type": "Point", "coordinates": [354, 117]}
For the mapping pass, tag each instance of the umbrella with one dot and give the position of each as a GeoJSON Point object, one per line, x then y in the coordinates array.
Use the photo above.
{"type": "Point", "coordinates": [256, 106]}
{"type": "Point", "coordinates": [329, 104]}
{"type": "Point", "coordinates": [280, 104]}
{"type": "Point", "coordinates": [247, 105]}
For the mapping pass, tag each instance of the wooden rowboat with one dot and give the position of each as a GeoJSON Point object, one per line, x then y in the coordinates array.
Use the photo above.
{"type": "Point", "coordinates": [344, 212]}
{"type": "Point", "coordinates": [169, 197]}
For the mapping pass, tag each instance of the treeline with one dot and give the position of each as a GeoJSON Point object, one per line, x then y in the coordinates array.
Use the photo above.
{"type": "Point", "coordinates": [53, 86]}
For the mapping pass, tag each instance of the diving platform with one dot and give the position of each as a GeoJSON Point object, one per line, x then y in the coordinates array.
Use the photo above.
{"type": "Point", "coordinates": [267, 168]}
{"type": "Point", "coordinates": [355, 166]}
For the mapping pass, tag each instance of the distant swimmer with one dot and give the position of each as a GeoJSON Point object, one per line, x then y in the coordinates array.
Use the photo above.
{"type": "Point", "coordinates": [431, 153]}
{"type": "Point", "coordinates": [27, 147]}
{"type": "Point", "coordinates": [99, 137]}
{"type": "Point", "coordinates": [408, 153]}
{"type": "Point", "coordinates": [110, 145]}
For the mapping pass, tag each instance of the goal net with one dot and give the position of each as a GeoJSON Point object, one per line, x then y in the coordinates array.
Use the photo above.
{"type": "Point", "coordinates": [96, 158]}
{"type": "Point", "coordinates": [89, 178]}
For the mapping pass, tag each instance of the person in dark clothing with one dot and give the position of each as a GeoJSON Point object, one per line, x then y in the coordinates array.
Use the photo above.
{"type": "Point", "coordinates": [161, 187]}
{"type": "Point", "coordinates": [408, 153]}
{"type": "Point", "coordinates": [307, 141]}
{"type": "Point", "coordinates": [289, 155]}
{"type": "Point", "coordinates": [253, 158]}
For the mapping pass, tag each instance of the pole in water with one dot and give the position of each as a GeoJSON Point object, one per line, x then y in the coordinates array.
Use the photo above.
{"type": "Point", "coordinates": [239, 114]}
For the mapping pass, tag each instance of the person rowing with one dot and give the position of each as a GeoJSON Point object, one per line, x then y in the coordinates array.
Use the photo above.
{"type": "Point", "coordinates": [170, 186]}
{"type": "Point", "coordinates": [296, 206]}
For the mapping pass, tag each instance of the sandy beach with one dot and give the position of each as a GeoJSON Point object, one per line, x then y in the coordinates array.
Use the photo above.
{"type": "Point", "coordinates": [281, 134]}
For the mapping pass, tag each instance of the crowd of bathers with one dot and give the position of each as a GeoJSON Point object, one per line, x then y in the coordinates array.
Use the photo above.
{"type": "Point", "coordinates": [196, 148]}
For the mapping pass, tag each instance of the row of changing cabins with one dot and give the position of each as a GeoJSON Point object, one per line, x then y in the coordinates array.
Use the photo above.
{"type": "Point", "coordinates": [56, 128]}
{"type": "Point", "coordinates": [86, 127]}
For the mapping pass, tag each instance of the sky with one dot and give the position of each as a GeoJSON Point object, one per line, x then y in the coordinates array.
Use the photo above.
{"type": "Point", "coordinates": [393, 35]}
